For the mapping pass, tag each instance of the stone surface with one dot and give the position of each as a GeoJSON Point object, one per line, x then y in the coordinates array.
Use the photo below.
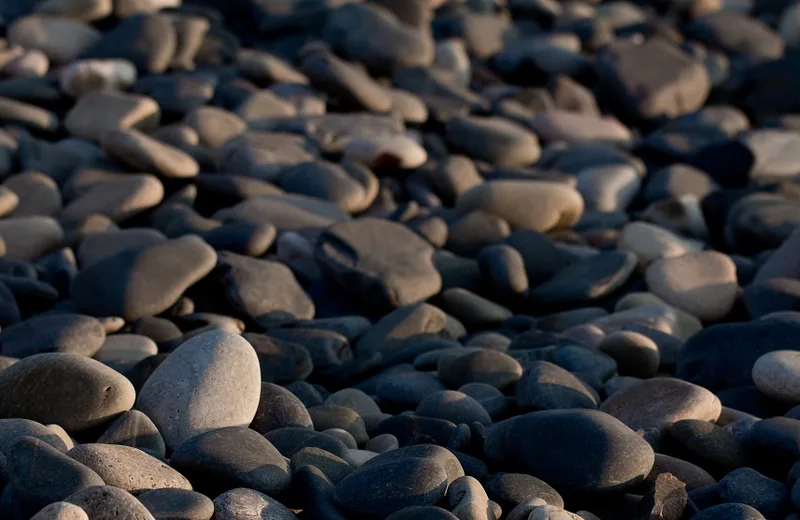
{"type": "Point", "coordinates": [212, 381]}
{"type": "Point", "coordinates": [72, 391]}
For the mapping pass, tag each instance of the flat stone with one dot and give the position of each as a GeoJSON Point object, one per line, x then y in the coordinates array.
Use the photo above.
{"type": "Point", "coordinates": [703, 283]}
{"type": "Point", "coordinates": [144, 153]}
{"type": "Point", "coordinates": [484, 366]}
{"type": "Point", "coordinates": [495, 140]}
{"type": "Point", "coordinates": [290, 440]}
{"type": "Point", "coordinates": [81, 392]}
{"type": "Point", "coordinates": [608, 189]}
{"type": "Point", "coordinates": [144, 281]}
{"type": "Point", "coordinates": [94, 116]}
{"type": "Point", "coordinates": [282, 295]}
{"type": "Point", "coordinates": [226, 458]}
{"type": "Point", "coordinates": [37, 194]}
{"type": "Point", "coordinates": [64, 333]}
{"type": "Point", "coordinates": [225, 383]}
{"type": "Point", "coordinates": [29, 238]}
{"type": "Point", "coordinates": [609, 456]}
{"type": "Point", "coordinates": [586, 280]}
{"type": "Point", "coordinates": [536, 205]}
{"type": "Point", "coordinates": [128, 468]}
{"type": "Point", "coordinates": [659, 402]}
{"type": "Point", "coordinates": [670, 75]}
{"type": "Point", "coordinates": [348, 185]}
{"type": "Point", "coordinates": [364, 255]}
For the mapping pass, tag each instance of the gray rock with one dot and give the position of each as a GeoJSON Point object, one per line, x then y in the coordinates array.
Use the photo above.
{"type": "Point", "coordinates": [220, 460]}
{"type": "Point", "coordinates": [659, 402]}
{"type": "Point", "coordinates": [128, 468]}
{"type": "Point", "coordinates": [380, 262]}
{"type": "Point", "coordinates": [80, 393]}
{"type": "Point", "coordinates": [109, 503]}
{"type": "Point", "coordinates": [495, 140]}
{"type": "Point", "coordinates": [221, 370]}
{"type": "Point", "coordinates": [64, 333]}
{"type": "Point", "coordinates": [178, 504]}
{"type": "Point", "coordinates": [135, 429]}
{"type": "Point", "coordinates": [242, 503]}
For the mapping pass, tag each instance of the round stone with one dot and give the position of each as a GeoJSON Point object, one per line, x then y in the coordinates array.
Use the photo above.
{"type": "Point", "coordinates": [777, 375]}
{"type": "Point", "coordinates": [483, 366]}
{"type": "Point", "coordinates": [578, 450]}
{"type": "Point", "coordinates": [659, 402]}
{"type": "Point", "coordinates": [493, 139]}
{"type": "Point", "coordinates": [80, 392]}
{"type": "Point", "coordinates": [128, 468]}
{"type": "Point", "coordinates": [455, 407]}
{"type": "Point", "coordinates": [279, 408]}
{"type": "Point", "coordinates": [226, 458]}
{"type": "Point", "coordinates": [636, 354]}
{"type": "Point", "coordinates": [61, 511]}
{"type": "Point", "coordinates": [109, 503]}
{"type": "Point", "coordinates": [703, 283]}
{"type": "Point", "coordinates": [247, 503]}
{"type": "Point", "coordinates": [64, 333]}
{"type": "Point", "coordinates": [545, 386]}
{"type": "Point", "coordinates": [177, 504]}
{"type": "Point", "coordinates": [385, 488]}
{"type": "Point", "coordinates": [212, 381]}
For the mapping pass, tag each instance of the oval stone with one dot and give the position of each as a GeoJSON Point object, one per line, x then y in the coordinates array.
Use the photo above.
{"type": "Point", "coordinates": [72, 391]}
{"type": "Point", "coordinates": [210, 382]}
{"type": "Point", "coordinates": [578, 450]}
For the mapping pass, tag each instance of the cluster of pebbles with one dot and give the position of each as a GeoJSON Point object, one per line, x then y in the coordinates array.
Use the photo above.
{"type": "Point", "coordinates": [403, 259]}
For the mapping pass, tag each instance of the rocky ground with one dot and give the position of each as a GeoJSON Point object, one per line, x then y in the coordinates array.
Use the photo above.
{"type": "Point", "coordinates": [404, 259]}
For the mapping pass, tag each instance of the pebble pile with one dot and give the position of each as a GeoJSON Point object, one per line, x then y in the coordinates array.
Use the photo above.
{"type": "Point", "coordinates": [399, 259]}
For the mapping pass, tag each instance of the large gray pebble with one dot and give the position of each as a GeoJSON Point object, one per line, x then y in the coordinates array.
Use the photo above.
{"type": "Point", "coordinates": [210, 382]}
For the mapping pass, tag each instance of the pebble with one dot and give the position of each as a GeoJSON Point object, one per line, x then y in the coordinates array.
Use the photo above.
{"type": "Point", "coordinates": [240, 503]}
{"type": "Point", "coordinates": [61, 511]}
{"type": "Point", "coordinates": [636, 354]}
{"type": "Point", "coordinates": [776, 375]}
{"type": "Point", "coordinates": [704, 284]}
{"type": "Point", "coordinates": [61, 39]}
{"type": "Point", "coordinates": [115, 285]}
{"type": "Point", "coordinates": [676, 400]}
{"type": "Point", "coordinates": [545, 386]}
{"type": "Point", "coordinates": [222, 459]}
{"type": "Point", "coordinates": [42, 475]}
{"type": "Point", "coordinates": [63, 333]}
{"type": "Point", "coordinates": [109, 503]}
{"type": "Point", "coordinates": [128, 468]}
{"type": "Point", "coordinates": [177, 503]}
{"type": "Point", "coordinates": [82, 393]}
{"type": "Point", "coordinates": [388, 487]}
{"type": "Point", "coordinates": [135, 429]}
{"type": "Point", "coordinates": [94, 116]}
{"type": "Point", "coordinates": [212, 381]}
{"type": "Point", "coordinates": [361, 255]}
{"type": "Point", "coordinates": [144, 153]}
